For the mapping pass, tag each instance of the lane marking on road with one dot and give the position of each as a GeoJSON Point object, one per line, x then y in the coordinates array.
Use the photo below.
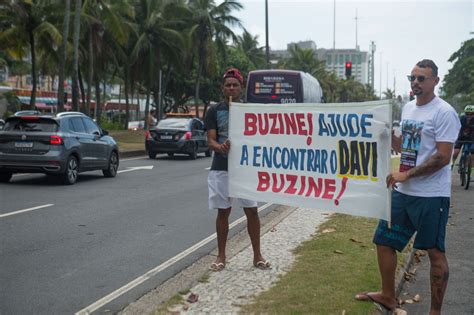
{"type": "Point", "coordinates": [25, 210]}
{"type": "Point", "coordinates": [208, 168]}
{"type": "Point", "coordinates": [129, 286]}
{"type": "Point", "coordinates": [136, 168]}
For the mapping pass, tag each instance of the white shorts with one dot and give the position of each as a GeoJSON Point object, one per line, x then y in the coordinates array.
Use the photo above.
{"type": "Point", "coordinates": [218, 184]}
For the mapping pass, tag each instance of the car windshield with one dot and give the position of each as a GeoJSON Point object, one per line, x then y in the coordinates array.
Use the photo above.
{"type": "Point", "coordinates": [173, 123]}
{"type": "Point", "coordinates": [27, 125]}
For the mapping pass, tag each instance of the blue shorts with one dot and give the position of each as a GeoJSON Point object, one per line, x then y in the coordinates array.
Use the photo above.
{"type": "Point", "coordinates": [427, 216]}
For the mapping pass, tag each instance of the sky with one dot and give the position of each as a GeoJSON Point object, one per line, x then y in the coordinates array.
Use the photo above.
{"type": "Point", "coordinates": [404, 32]}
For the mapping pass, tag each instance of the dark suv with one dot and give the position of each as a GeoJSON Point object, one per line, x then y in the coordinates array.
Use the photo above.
{"type": "Point", "coordinates": [63, 145]}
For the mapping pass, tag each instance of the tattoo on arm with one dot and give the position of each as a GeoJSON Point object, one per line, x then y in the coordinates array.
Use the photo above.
{"type": "Point", "coordinates": [433, 164]}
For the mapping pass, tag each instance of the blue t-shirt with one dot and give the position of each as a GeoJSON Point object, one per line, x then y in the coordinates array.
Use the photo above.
{"type": "Point", "coordinates": [217, 118]}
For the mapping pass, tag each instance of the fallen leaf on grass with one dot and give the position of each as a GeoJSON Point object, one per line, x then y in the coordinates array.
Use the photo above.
{"type": "Point", "coordinates": [355, 241]}
{"type": "Point", "coordinates": [329, 230]}
{"type": "Point", "coordinates": [338, 251]}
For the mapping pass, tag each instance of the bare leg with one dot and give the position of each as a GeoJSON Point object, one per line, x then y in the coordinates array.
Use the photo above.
{"type": "Point", "coordinates": [439, 275]}
{"type": "Point", "coordinates": [253, 228]}
{"type": "Point", "coordinates": [387, 260]}
{"type": "Point", "coordinates": [222, 228]}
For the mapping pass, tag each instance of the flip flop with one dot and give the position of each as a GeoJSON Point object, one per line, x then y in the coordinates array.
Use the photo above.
{"type": "Point", "coordinates": [263, 265]}
{"type": "Point", "coordinates": [216, 266]}
{"type": "Point", "coordinates": [366, 296]}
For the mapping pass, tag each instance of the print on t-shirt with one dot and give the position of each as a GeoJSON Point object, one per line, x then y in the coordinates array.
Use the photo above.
{"type": "Point", "coordinates": [411, 139]}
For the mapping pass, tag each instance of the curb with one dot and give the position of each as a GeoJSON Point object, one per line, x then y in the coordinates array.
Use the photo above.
{"type": "Point", "coordinates": [132, 153]}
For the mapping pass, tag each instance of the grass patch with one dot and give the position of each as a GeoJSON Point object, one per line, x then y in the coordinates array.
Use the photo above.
{"type": "Point", "coordinates": [204, 279]}
{"type": "Point", "coordinates": [323, 281]}
{"type": "Point", "coordinates": [129, 139]}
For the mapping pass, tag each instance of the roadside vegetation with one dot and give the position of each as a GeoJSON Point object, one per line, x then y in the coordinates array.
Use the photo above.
{"type": "Point", "coordinates": [180, 46]}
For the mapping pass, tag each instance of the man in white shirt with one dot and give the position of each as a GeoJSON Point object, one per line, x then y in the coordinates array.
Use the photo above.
{"type": "Point", "coordinates": [421, 188]}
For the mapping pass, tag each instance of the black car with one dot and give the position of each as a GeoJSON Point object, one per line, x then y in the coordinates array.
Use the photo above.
{"type": "Point", "coordinates": [177, 135]}
{"type": "Point", "coordinates": [63, 145]}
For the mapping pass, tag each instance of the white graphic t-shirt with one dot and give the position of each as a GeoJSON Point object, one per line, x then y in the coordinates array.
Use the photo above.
{"type": "Point", "coordinates": [422, 127]}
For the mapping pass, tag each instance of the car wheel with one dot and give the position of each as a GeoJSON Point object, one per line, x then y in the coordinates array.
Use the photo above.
{"type": "Point", "coordinates": [170, 154]}
{"type": "Point", "coordinates": [208, 152]}
{"type": "Point", "coordinates": [151, 155]}
{"type": "Point", "coordinates": [193, 154]}
{"type": "Point", "coordinates": [5, 177]}
{"type": "Point", "coordinates": [69, 177]}
{"type": "Point", "coordinates": [111, 171]}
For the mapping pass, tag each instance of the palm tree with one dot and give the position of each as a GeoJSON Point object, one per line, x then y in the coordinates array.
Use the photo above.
{"type": "Point", "coordinates": [23, 22]}
{"type": "Point", "coordinates": [210, 22]}
{"type": "Point", "coordinates": [75, 56]}
{"type": "Point", "coordinates": [63, 55]}
{"type": "Point", "coordinates": [157, 22]}
{"type": "Point", "coordinates": [106, 27]}
{"type": "Point", "coordinates": [248, 44]}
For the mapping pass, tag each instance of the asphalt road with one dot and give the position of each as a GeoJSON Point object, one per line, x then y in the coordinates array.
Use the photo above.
{"type": "Point", "coordinates": [76, 244]}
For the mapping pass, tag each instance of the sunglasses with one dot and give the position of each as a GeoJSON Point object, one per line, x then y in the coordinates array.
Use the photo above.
{"type": "Point", "coordinates": [420, 78]}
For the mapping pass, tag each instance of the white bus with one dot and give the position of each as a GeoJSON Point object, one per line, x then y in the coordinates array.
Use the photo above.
{"type": "Point", "coordinates": [283, 87]}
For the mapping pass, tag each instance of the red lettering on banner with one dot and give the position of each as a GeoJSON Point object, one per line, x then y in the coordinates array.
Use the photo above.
{"type": "Point", "coordinates": [250, 124]}
{"type": "Point", "coordinates": [279, 124]}
{"type": "Point", "coordinates": [324, 188]}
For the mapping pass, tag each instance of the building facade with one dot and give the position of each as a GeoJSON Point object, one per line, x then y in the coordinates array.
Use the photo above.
{"type": "Point", "coordinates": [335, 60]}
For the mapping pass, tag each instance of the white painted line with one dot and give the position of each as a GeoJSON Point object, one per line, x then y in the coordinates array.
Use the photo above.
{"type": "Point", "coordinates": [208, 168]}
{"type": "Point", "coordinates": [129, 286]}
{"type": "Point", "coordinates": [136, 168]}
{"type": "Point", "coordinates": [25, 210]}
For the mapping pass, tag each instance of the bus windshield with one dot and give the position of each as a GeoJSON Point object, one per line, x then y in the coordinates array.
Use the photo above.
{"type": "Point", "coordinates": [274, 87]}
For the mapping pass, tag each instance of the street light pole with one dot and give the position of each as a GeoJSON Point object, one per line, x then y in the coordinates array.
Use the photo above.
{"type": "Point", "coordinates": [267, 48]}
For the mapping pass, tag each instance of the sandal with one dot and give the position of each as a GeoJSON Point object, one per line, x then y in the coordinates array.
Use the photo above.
{"type": "Point", "coordinates": [263, 265]}
{"type": "Point", "coordinates": [216, 266]}
{"type": "Point", "coordinates": [370, 297]}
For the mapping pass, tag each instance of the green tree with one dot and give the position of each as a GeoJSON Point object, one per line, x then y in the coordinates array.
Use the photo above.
{"type": "Point", "coordinates": [75, 57]}
{"type": "Point", "coordinates": [458, 84]}
{"type": "Point", "coordinates": [23, 22]}
{"type": "Point", "coordinates": [63, 55]}
{"type": "Point", "coordinates": [248, 44]}
{"type": "Point", "coordinates": [210, 22]}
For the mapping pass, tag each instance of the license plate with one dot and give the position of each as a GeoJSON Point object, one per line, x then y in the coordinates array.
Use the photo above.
{"type": "Point", "coordinates": [166, 137]}
{"type": "Point", "coordinates": [23, 144]}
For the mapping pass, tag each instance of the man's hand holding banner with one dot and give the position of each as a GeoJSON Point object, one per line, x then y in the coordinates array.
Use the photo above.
{"type": "Point", "coordinates": [332, 157]}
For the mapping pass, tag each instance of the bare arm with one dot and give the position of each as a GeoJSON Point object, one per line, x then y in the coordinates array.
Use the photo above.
{"type": "Point", "coordinates": [437, 161]}
{"type": "Point", "coordinates": [396, 142]}
{"type": "Point", "coordinates": [216, 146]}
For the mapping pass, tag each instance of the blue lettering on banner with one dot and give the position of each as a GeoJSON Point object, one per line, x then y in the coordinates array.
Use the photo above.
{"type": "Point", "coordinates": [244, 157]}
{"type": "Point", "coordinates": [256, 155]}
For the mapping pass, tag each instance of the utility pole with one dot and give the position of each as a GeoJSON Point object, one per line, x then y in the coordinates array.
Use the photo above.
{"type": "Point", "coordinates": [387, 63]}
{"type": "Point", "coordinates": [356, 19]}
{"type": "Point", "coordinates": [372, 65]}
{"type": "Point", "coordinates": [267, 48]}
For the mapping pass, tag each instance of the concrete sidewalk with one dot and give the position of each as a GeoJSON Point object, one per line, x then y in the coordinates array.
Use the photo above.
{"type": "Point", "coordinates": [459, 298]}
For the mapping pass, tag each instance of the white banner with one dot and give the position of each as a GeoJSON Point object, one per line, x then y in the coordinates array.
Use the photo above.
{"type": "Point", "coordinates": [332, 157]}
